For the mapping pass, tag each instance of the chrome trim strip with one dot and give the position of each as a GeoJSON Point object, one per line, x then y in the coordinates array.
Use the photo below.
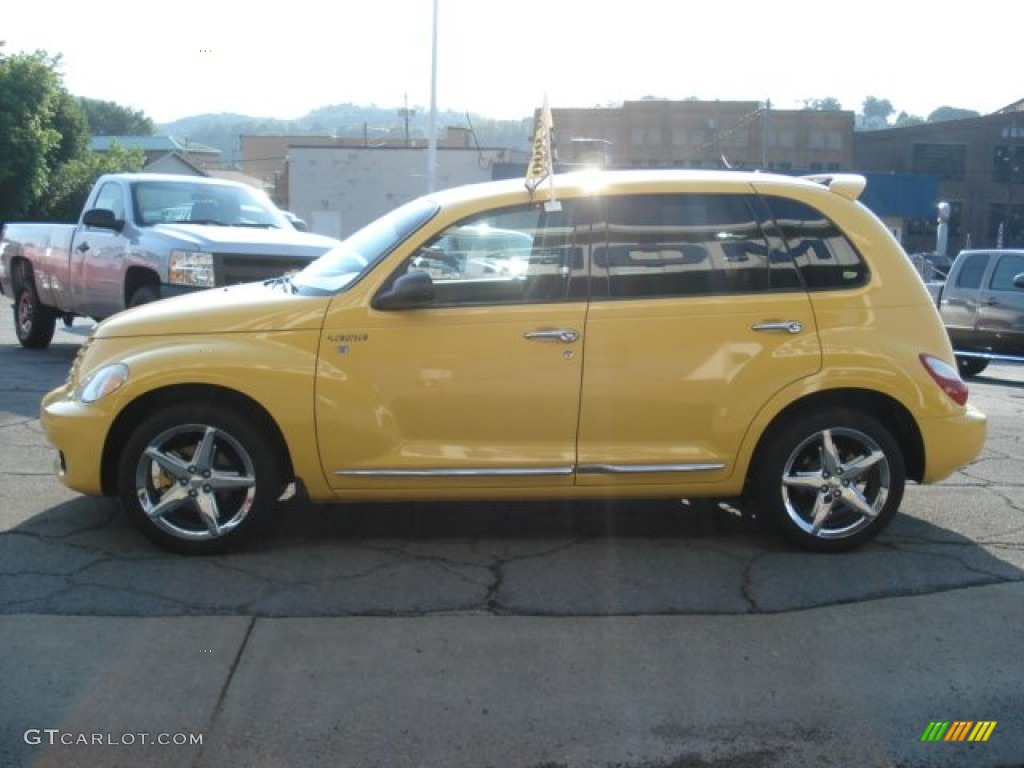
{"type": "Point", "coordinates": [466, 472]}
{"type": "Point", "coordinates": [640, 469]}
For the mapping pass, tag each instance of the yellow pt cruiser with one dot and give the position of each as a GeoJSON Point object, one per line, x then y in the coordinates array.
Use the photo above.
{"type": "Point", "coordinates": [637, 334]}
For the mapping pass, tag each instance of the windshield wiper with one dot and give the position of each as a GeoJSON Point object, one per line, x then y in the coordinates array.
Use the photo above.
{"type": "Point", "coordinates": [285, 281]}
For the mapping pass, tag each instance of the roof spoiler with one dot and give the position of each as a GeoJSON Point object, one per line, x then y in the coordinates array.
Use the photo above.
{"type": "Point", "coordinates": [848, 185]}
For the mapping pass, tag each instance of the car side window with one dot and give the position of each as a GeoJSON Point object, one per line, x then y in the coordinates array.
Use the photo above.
{"type": "Point", "coordinates": [517, 255]}
{"type": "Point", "coordinates": [1009, 266]}
{"type": "Point", "coordinates": [111, 198]}
{"type": "Point", "coordinates": [824, 256]}
{"type": "Point", "coordinates": [680, 245]}
{"type": "Point", "coordinates": [972, 270]}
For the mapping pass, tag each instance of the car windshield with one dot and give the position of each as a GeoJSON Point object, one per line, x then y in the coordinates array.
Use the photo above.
{"type": "Point", "coordinates": [345, 263]}
{"type": "Point", "coordinates": [186, 202]}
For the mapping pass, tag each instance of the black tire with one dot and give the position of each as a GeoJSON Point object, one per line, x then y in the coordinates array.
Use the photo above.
{"type": "Point", "coordinates": [198, 479]}
{"type": "Point", "coordinates": [34, 323]}
{"type": "Point", "coordinates": [144, 294]}
{"type": "Point", "coordinates": [971, 366]}
{"type": "Point", "coordinates": [828, 481]}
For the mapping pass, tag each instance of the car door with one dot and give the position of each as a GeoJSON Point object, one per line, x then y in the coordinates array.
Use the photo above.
{"type": "Point", "coordinates": [1000, 316]}
{"type": "Point", "coordinates": [477, 388]}
{"type": "Point", "coordinates": [959, 301]}
{"type": "Point", "coordinates": [701, 322]}
{"type": "Point", "coordinates": [98, 259]}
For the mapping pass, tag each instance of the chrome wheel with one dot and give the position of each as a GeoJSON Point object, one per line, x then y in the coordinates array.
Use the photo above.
{"type": "Point", "coordinates": [829, 481]}
{"type": "Point", "coordinates": [196, 478]}
{"type": "Point", "coordinates": [835, 483]}
{"type": "Point", "coordinates": [195, 482]}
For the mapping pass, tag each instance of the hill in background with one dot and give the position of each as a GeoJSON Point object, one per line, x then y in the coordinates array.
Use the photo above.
{"type": "Point", "coordinates": [346, 120]}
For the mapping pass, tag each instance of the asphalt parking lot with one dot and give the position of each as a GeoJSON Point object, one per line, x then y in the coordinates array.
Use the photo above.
{"type": "Point", "coordinates": [506, 635]}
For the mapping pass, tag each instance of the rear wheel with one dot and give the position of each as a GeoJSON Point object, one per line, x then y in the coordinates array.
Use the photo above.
{"type": "Point", "coordinates": [197, 479]}
{"type": "Point", "coordinates": [829, 481]}
{"type": "Point", "coordinates": [971, 366]}
{"type": "Point", "coordinates": [34, 323]}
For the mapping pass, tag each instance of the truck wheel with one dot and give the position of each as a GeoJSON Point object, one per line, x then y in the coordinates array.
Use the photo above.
{"type": "Point", "coordinates": [971, 366]}
{"type": "Point", "coordinates": [143, 295]}
{"type": "Point", "coordinates": [197, 479]}
{"type": "Point", "coordinates": [34, 323]}
{"type": "Point", "coordinates": [829, 481]}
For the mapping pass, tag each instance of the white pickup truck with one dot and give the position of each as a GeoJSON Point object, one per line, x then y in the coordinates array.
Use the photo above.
{"type": "Point", "coordinates": [143, 237]}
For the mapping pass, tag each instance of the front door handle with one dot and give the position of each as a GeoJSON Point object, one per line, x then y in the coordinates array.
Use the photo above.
{"type": "Point", "coordinates": [789, 326]}
{"type": "Point", "coordinates": [82, 247]}
{"type": "Point", "coordinates": [564, 335]}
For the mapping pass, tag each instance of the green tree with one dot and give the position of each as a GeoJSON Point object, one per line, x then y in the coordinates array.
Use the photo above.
{"type": "Point", "coordinates": [72, 181]}
{"type": "Point", "coordinates": [47, 167]}
{"type": "Point", "coordinates": [951, 113]}
{"type": "Point", "coordinates": [877, 108]}
{"type": "Point", "coordinates": [34, 110]}
{"type": "Point", "coordinates": [828, 104]}
{"type": "Point", "coordinates": [107, 118]}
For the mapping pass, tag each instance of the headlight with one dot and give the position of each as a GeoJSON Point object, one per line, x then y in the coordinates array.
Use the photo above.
{"type": "Point", "coordinates": [102, 382]}
{"type": "Point", "coordinates": [193, 268]}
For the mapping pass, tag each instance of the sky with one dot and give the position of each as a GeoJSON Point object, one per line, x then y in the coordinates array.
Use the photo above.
{"type": "Point", "coordinates": [501, 58]}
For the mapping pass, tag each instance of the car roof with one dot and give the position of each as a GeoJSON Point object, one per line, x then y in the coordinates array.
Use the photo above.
{"type": "Point", "coordinates": [583, 183]}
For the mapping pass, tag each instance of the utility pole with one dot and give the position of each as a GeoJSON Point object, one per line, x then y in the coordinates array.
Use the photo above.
{"type": "Point", "coordinates": [405, 113]}
{"type": "Point", "coordinates": [432, 138]}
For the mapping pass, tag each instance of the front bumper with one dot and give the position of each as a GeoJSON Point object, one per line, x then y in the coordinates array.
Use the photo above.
{"type": "Point", "coordinates": [78, 432]}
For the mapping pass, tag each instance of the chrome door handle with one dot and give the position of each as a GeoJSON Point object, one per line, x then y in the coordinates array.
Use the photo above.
{"type": "Point", "coordinates": [564, 335]}
{"type": "Point", "coordinates": [789, 326]}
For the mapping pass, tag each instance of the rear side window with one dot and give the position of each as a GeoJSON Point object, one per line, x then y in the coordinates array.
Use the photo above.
{"type": "Point", "coordinates": [825, 258]}
{"type": "Point", "coordinates": [680, 245]}
{"type": "Point", "coordinates": [972, 271]}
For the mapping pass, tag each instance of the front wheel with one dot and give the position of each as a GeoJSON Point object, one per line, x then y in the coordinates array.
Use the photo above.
{"type": "Point", "coordinates": [829, 481]}
{"type": "Point", "coordinates": [197, 479]}
{"type": "Point", "coordinates": [34, 322]}
{"type": "Point", "coordinates": [143, 295]}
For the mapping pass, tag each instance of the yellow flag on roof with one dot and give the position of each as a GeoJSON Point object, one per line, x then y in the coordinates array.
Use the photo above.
{"type": "Point", "coordinates": [540, 165]}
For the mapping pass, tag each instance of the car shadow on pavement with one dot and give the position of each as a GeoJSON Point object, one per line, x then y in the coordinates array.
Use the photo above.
{"type": "Point", "coordinates": [567, 559]}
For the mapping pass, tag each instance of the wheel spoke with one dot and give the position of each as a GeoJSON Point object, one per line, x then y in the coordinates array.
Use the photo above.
{"type": "Point", "coordinates": [830, 461]}
{"type": "Point", "coordinates": [170, 501]}
{"type": "Point", "coordinates": [807, 480]}
{"type": "Point", "coordinates": [221, 481]}
{"type": "Point", "coordinates": [171, 464]}
{"type": "Point", "coordinates": [203, 459]}
{"type": "Point", "coordinates": [859, 466]}
{"type": "Point", "coordinates": [856, 500]}
{"type": "Point", "coordinates": [821, 513]}
{"type": "Point", "coordinates": [206, 503]}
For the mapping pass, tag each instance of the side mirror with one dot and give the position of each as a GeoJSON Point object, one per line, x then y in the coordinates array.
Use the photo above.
{"type": "Point", "coordinates": [102, 219]}
{"type": "Point", "coordinates": [411, 290]}
{"type": "Point", "coordinates": [1018, 281]}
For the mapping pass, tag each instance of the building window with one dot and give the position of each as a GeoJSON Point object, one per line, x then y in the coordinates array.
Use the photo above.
{"type": "Point", "coordinates": [1008, 163]}
{"type": "Point", "coordinates": [816, 140]}
{"type": "Point", "coordinates": [946, 161]}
